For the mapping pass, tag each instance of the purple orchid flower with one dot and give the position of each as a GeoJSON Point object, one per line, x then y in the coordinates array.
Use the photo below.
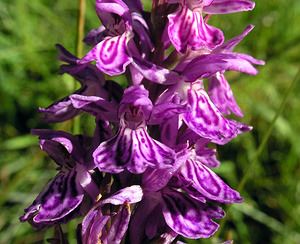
{"type": "Point", "coordinates": [93, 225]}
{"type": "Point", "coordinates": [118, 49]}
{"type": "Point", "coordinates": [92, 83]}
{"type": "Point", "coordinates": [206, 120]}
{"type": "Point", "coordinates": [62, 196]}
{"type": "Point", "coordinates": [167, 209]}
{"type": "Point", "coordinates": [172, 205]}
{"type": "Point", "coordinates": [202, 116]}
{"type": "Point", "coordinates": [132, 147]}
{"type": "Point", "coordinates": [188, 29]}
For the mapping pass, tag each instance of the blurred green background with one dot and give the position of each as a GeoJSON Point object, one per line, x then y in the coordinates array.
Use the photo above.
{"type": "Point", "coordinates": [29, 79]}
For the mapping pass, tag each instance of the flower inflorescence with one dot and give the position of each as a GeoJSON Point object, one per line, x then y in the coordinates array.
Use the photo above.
{"type": "Point", "coordinates": [147, 172]}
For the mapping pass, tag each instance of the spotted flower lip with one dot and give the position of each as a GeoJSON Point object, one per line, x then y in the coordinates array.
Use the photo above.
{"type": "Point", "coordinates": [62, 196]}
{"type": "Point", "coordinates": [207, 121]}
{"type": "Point", "coordinates": [187, 28]}
{"type": "Point", "coordinates": [202, 179]}
{"type": "Point", "coordinates": [132, 147]}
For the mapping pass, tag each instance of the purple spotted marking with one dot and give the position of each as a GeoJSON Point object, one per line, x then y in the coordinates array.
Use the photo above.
{"type": "Point", "coordinates": [110, 55]}
{"type": "Point", "coordinates": [188, 217]}
{"type": "Point", "coordinates": [222, 96]}
{"type": "Point", "coordinates": [60, 197]}
{"type": "Point", "coordinates": [133, 150]}
{"type": "Point", "coordinates": [187, 28]}
{"type": "Point", "coordinates": [207, 183]}
{"type": "Point", "coordinates": [207, 121]}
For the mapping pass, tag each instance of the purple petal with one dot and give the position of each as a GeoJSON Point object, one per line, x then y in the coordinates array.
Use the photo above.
{"type": "Point", "coordinates": [96, 106]}
{"type": "Point", "coordinates": [60, 197]}
{"type": "Point", "coordinates": [110, 55]}
{"type": "Point", "coordinates": [136, 75]}
{"type": "Point", "coordinates": [139, 222]}
{"type": "Point", "coordinates": [138, 97]}
{"type": "Point", "coordinates": [169, 131]}
{"type": "Point", "coordinates": [156, 179]}
{"type": "Point", "coordinates": [133, 150]}
{"type": "Point", "coordinates": [55, 150]}
{"type": "Point", "coordinates": [119, 225]}
{"type": "Point", "coordinates": [156, 73]}
{"type": "Point", "coordinates": [164, 111]}
{"type": "Point", "coordinates": [65, 56]}
{"type": "Point", "coordinates": [192, 192]}
{"type": "Point", "coordinates": [106, 9]}
{"type": "Point", "coordinates": [112, 6]}
{"type": "Point", "coordinates": [92, 226]}
{"type": "Point", "coordinates": [169, 237]}
{"type": "Point", "coordinates": [95, 36]}
{"type": "Point", "coordinates": [142, 30]}
{"type": "Point", "coordinates": [205, 181]}
{"type": "Point", "coordinates": [187, 217]}
{"type": "Point", "coordinates": [88, 75]}
{"type": "Point", "coordinates": [207, 65]}
{"type": "Point", "coordinates": [196, 5]}
{"type": "Point", "coordinates": [232, 43]}
{"type": "Point", "coordinates": [205, 154]}
{"type": "Point", "coordinates": [102, 132]}
{"type": "Point", "coordinates": [208, 122]}
{"type": "Point", "coordinates": [188, 29]}
{"type": "Point", "coordinates": [68, 141]}
{"type": "Point", "coordinates": [59, 111]}
{"type": "Point", "coordinates": [128, 195]}
{"type": "Point", "coordinates": [134, 5]}
{"type": "Point", "coordinates": [222, 96]}
{"type": "Point", "coordinates": [228, 6]}
{"type": "Point", "coordinates": [155, 223]}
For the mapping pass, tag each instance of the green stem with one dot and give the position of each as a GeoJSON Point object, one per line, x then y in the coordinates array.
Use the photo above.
{"type": "Point", "coordinates": [80, 27]}
{"type": "Point", "coordinates": [254, 159]}
{"type": "Point", "coordinates": [79, 51]}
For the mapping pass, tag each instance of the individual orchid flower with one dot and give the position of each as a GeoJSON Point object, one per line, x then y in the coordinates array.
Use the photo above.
{"type": "Point", "coordinates": [93, 225]}
{"type": "Point", "coordinates": [132, 148]}
{"type": "Point", "coordinates": [188, 29]}
{"type": "Point", "coordinates": [176, 199]}
{"type": "Point", "coordinates": [206, 120]}
{"type": "Point", "coordinates": [195, 175]}
{"type": "Point", "coordinates": [173, 211]}
{"type": "Point", "coordinates": [62, 196]}
{"type": "Point", "coordinates": [166, 209]}
{"type": "Point", "coordinates": [92, 83]}
{"type": "Point", "coordinates": [111, 53]}
{"type": "Point", "coordinates": [118, 49]}
{"type": "Point", "coordinates": [202, 116]}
